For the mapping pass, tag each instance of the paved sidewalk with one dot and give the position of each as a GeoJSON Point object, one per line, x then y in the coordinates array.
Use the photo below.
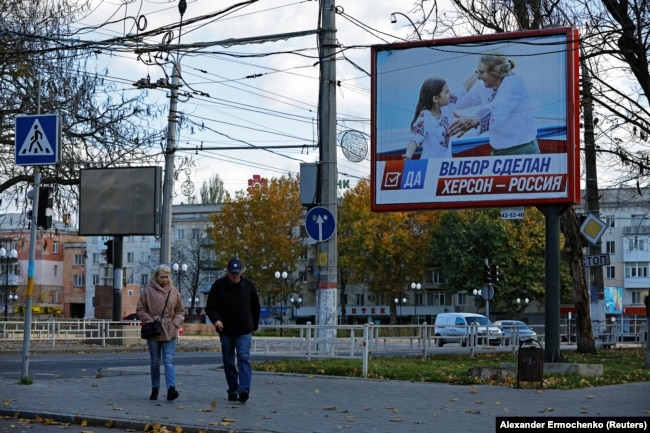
{"type": "Point", "coordinates": [306, 404]}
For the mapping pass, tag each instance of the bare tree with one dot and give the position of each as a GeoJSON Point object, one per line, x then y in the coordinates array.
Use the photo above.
{"type": "Point", "coordinates": [41, 73]}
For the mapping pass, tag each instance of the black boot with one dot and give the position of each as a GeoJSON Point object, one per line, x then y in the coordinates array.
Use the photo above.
{"type": "Point", "coordinates": [172, 394]}
{"type": "Point", "coordinates": [154, 394]}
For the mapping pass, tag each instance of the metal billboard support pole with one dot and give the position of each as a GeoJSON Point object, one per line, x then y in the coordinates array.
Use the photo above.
{"type": "Point", "coordinates": [327, 310]}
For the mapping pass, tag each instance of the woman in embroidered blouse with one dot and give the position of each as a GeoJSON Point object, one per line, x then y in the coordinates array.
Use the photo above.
{"type": "Point", "coordinates": [504, 108]}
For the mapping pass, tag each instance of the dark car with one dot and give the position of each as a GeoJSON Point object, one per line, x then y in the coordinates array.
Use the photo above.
{"type": "Point", "coordinates": [132, 316]}
{"type": "Point", "coordinates": [511, 329]}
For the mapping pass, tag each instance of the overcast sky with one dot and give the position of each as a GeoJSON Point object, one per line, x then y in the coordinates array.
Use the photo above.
{"type": "Point", "coordinates": [238, 100]}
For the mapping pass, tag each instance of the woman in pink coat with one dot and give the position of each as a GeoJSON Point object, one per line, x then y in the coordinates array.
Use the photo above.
{"type": "Point", "coordinates": [162, 347]}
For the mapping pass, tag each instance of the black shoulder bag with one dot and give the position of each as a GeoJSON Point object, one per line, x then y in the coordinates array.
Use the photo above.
{"type": "Point", "coordinates": [155, 328]}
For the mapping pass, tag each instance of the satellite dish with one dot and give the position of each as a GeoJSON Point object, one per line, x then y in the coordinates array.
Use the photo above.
{"type": "Point", "coordinates": [354, 144]}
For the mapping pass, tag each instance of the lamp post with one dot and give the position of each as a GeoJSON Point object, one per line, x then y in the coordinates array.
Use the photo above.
{"type": "Point", "coordinates": [7, 257]}
{"type": "Point", "coordinates": [179, 270]}
{"type": "Point", "coordinates": [400, 302]}
{"type": "Point", "coordinates": [284, 276]}
{"type": "Point", "coordinates": [476, 292]}
{"type": "Point", "coordinates": [296, 302]}
{"type": "Point", "coordinates": [13, 297]}
{"type": "Point", "coordinates": [521, 305]}
{"type": "Point", "coordinates": [393, 19]}
{"type": "Point", "coordinates": [416, 288]}
{"type": "Point", "coordinates": [193, 303]}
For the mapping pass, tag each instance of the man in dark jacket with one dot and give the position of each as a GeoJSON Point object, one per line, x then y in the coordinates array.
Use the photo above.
{"type": "Point", "coordinates": [233, 307]}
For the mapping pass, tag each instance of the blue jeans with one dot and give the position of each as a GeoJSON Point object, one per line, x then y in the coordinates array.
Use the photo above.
{"type": "Point", "coordinates": [164, 350]}
{"type": "Point", "coordinates": [237, 368]}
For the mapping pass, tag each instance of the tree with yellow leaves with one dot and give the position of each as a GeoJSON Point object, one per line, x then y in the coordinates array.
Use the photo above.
{"type": "Point", "coordinates": [386, 251]}
{"type": "Point", "coordinates": [261, 226]}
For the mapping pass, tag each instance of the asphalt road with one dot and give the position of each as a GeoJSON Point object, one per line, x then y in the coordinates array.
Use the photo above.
{"type": "Point", "coordinates": [66, 365]}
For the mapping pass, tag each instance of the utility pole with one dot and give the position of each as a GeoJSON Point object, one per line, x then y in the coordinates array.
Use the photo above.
{"type": "Point", "coordinates": [327, 258]}
{"type": "Point", "coordinates": [170, 151]}
{"type": "Point", "coordinates": [168, 182]}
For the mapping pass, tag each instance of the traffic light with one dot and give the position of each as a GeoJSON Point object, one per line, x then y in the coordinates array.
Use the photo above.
{"type": "Point", "coordinates": [109, 252]}
{"type": "Point", "coordinates": [45, 205]}
{"type": "Point", "coordinates": [494, 271]}
{"type": "Point", "coordinates": [487, 274]}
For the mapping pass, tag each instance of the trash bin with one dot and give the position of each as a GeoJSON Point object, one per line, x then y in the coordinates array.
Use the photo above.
{"type": "Point", "coordinates": [530, 367]}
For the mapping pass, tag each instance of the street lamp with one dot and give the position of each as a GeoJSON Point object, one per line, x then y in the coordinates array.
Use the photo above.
{"type": "Point", "coordinates": [13, 297]}
{"type": "Point", "coordinates": [296, 302]}
{"type": "Point", "coordinates": [179, 269]}
{"type": "Point", "coordinates": [194, 301]}
{"type": "Point", "coordinates": [393, 19]}
{"type": "Point", "coordinates": [521, 305]}
{"type": "Point", "coordinates": [7, 257]}
{"type": "Point", "coordinates": [397, 302]}
{"type": "Point", "coordinates": [284, 276]}
{"type": "Point", "coordinates": [416, 287]}
{"type": "Point", "coordinates": [476, 292]}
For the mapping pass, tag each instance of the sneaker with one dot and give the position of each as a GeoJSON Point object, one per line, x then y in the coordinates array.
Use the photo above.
{"type": "Point", "coordinates": [172, 394]}
{"type": "Point", "coordinates": [233, 397]}
{"type": "Point", "coordinates": [243, 396]}
{"type": "Point", "coordinates": [154, 394]}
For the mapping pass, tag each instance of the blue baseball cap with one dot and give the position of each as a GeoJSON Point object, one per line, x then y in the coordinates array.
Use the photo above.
{"type": "Point", "coordinates": [234, 266]}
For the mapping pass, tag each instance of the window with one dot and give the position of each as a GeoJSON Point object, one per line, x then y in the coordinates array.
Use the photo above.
{"type": "Point", "coordinates": [610, 272]}
{"type": "Point", "coordinates": [462, 299]}
{"type": "Point", "coordinates": [95, 278]}
{"type": "Point", "coordinates": [638, 220]}
{"type": "Point", "coordinates": [180, 234]}
{"type": "Point", "coordinates": [55, 248]}
{"type": "Point", "coordinates": [129, 292]}
{"type": "Point", "coordinates": [55, 270]}
{"type": "Point", "coordinates": [360, 299]}
{"type": "Point", "coordinates": [97, 258]}
{"type": "Point", "coordinates": [130, 257]}
{"type": "Point", "coordinates": [435, 298]}
{"type": "Point", "coordinates": [196, 234]}
{"type": "Point", "coordinates": [611, 221]}
{"type": "Point", "coordinates": [79, 259]}
{"type": "Point", "coordinates": [437, 277]}
{"type": "Point", "coordinates": [636, 270]}
{"type": "Point", "coordinates": [144, 279]}
{"type": "Point", "coordinates": [55, 297]}
{"type": "Point", "coordinates": [610, 247]}
{"type": "Point", "coordinates": [636, 297]}
{"type": "Point", "coordinates": [130, 279]}
{"type": "Point", "coordinates": [79, 280]}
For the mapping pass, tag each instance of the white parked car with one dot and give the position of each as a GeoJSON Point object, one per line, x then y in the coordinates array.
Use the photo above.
{"type": "Point", "coordinates": [455, 328]}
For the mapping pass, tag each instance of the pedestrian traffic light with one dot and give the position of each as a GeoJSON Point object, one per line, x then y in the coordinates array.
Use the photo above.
{"type": "Point", "coordinates": [45, 205]}
{"type": "Point", "coordinates": [109, 252]}
{"type": "Point", "coordinates": [494, 271]}
{"type": "Point", "coordinates": [487, 275]}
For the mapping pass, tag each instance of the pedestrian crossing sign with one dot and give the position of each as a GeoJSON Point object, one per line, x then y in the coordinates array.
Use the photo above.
{"type": "Point", "coordinates": [38, 139]}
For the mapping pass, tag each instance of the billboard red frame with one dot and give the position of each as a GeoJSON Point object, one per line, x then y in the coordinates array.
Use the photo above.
{"type": "Point", "coordinates": [476, 167]}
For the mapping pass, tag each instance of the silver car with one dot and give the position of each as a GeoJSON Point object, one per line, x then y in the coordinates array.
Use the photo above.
{"type": "Point", "coordinates": [515, 330]}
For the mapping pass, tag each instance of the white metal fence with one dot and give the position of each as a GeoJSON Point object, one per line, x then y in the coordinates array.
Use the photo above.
{"type": "Point", "coordinates": [307, 340]}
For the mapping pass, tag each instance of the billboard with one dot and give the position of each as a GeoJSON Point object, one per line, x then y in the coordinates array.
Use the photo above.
{"type": "Point", "coordinates": [481, 121]}
{"type": "Point", "coordinates": [121, 201]}
{"type": "Point", "coordinates": [613, 300]}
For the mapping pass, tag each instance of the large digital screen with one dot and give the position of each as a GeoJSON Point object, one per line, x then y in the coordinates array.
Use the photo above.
{"type": "Point", "coordinates": [481, 121]}
{"type": "Point", "coordinates": [122, 201]}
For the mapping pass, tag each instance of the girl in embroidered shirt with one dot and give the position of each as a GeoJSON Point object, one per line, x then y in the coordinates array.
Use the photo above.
{"type": "Point", "coordinates": [431, 119]}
